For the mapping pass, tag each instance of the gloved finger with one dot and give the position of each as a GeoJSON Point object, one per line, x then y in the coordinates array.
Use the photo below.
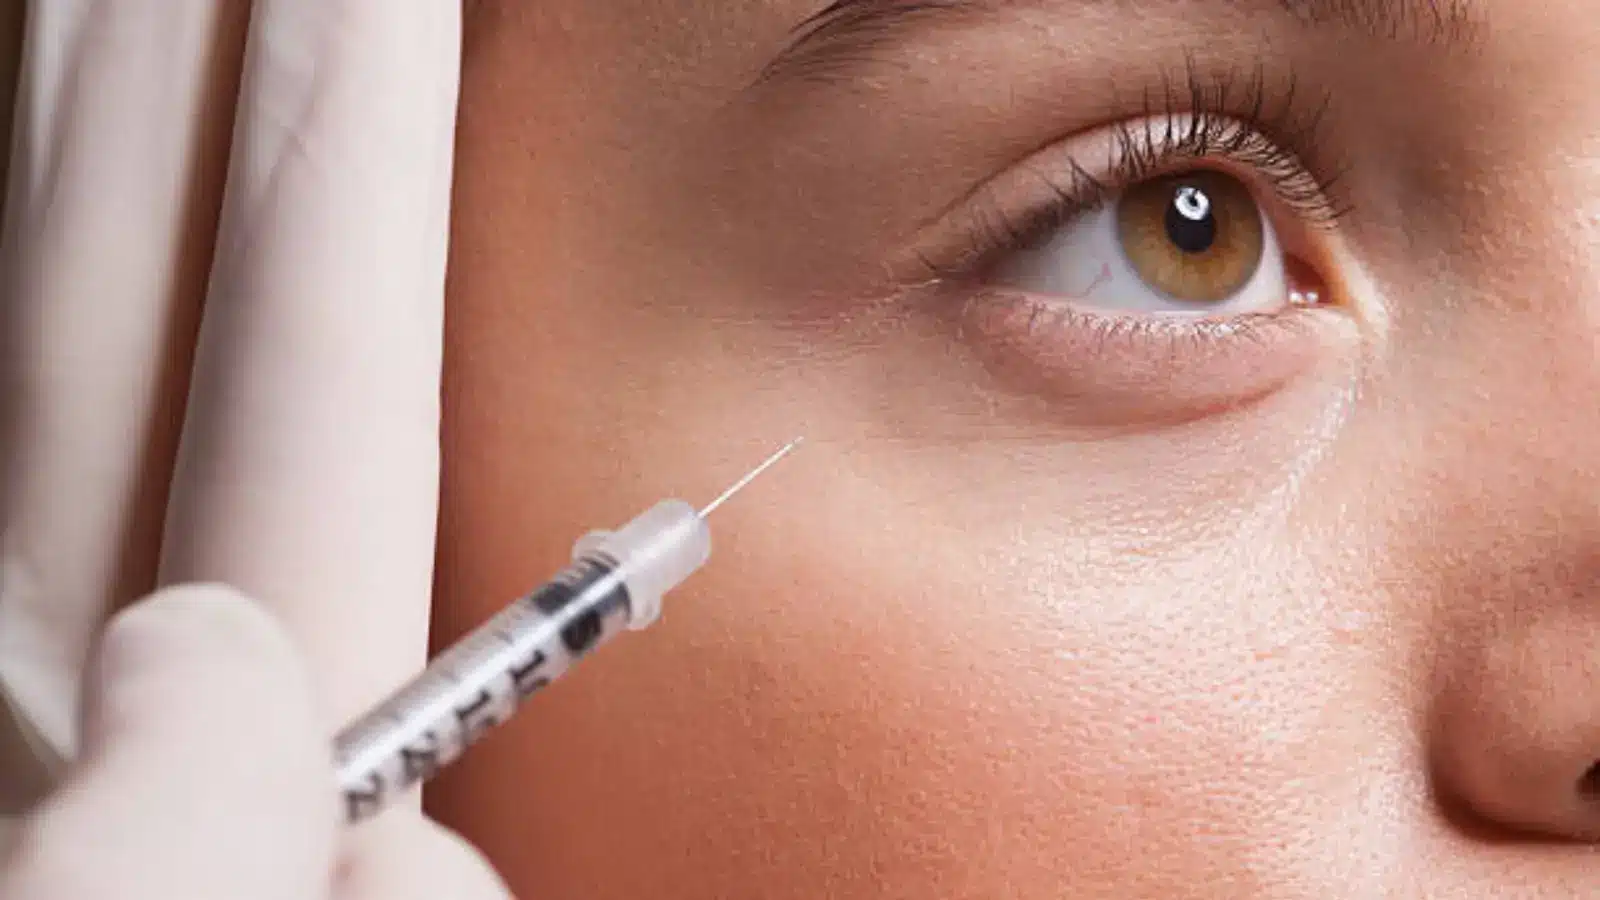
{"type": "Point", "coordinates": [308, 468]}
{"type": "Point", "coordinates": [409, 857]}
{"type": "Point", "coordinates": [204, 770]}
{"type": "Point", "coordinates": [117, 111]}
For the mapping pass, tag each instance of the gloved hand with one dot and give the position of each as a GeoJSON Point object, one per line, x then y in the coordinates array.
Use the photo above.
{"type": "Point", "coordinates": [289, 327]}
{"type": "Point", "coordinates": [204, 773]}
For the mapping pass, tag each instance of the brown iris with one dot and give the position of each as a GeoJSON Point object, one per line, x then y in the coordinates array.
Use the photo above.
{"type": "Point", "coordinates": [1196, 237]}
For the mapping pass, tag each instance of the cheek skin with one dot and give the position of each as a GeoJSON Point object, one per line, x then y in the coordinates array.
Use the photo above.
{"type": "Point", "coordinates": [824, 713]}
{"type": "Point", "coordinates": [887, 684]}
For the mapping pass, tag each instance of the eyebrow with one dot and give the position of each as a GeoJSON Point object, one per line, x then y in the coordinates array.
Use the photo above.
{"type": "Point", "coordinates": [848, 31]}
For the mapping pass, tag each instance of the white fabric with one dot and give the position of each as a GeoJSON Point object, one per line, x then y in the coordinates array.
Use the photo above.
{"type": "Point", "coordinates": [307, 474]}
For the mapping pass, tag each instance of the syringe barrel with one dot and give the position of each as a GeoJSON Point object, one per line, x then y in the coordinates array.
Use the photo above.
{"type": "Point", "coordinates": [616, 581]}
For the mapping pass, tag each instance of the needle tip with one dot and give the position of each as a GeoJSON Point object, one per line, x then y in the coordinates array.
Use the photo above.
{"type": "Point", "coordinates": [752, 475]}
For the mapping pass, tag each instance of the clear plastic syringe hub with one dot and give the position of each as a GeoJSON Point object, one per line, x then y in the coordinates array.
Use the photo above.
{"type": "Point", "coordinates": [653, 554]}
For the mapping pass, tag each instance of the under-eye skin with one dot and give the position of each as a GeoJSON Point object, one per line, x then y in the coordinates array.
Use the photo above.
{"type": "Point", "coordinates": [1181, 275]}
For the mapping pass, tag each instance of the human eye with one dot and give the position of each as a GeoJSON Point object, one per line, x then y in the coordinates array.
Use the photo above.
{"type": "Point", "coordinates": [1177, 255]}
{"type": "Point", "coordinates": [1195, 243]}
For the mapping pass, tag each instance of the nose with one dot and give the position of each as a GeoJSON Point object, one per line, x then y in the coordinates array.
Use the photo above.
{"type": "Point", "coordinates": [1509, 543]}
{"type": "Point", "coordinates": [1514, 709]}
{"type": "Point", "coordinates": [1508, 555]}
{"type": "Point", "coordinates": [1517, 740]}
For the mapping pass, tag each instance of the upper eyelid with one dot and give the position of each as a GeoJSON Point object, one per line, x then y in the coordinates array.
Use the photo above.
{"type": "Point", "coordinates": [1277, 116]}
{"type": "Point", "coordinates": [1259, 116]}
{"type": "Point", "coordinates": [988, 224]}
{"type": "Point", "coordinates": [1271, 104]}
{"type": "Point", "coordinates": [1219, 137]}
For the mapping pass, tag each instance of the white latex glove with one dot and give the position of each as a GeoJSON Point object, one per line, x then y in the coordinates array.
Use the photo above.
{"type": "Point", "coordinates": [307, 475]}
{"type": "Point", "coordinates": [204, 774]}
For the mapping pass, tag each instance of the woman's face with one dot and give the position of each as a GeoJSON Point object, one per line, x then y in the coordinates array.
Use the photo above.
{"type": "Point", "coordinates": [1202, 487]}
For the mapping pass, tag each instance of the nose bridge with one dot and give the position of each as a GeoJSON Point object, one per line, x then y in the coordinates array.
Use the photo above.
{"type": "Point", "coordinates": [1508, 450]}
{"type": "Point", "coordinates": [1526, 315]}
{"type": "Point", "coordinates": [1515, 424]}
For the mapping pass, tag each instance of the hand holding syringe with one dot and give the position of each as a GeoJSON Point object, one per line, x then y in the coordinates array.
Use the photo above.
{"type": "Point", "coordinates": [616, 581]}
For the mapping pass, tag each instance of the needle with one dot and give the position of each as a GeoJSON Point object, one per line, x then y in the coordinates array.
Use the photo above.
{"type": "Point", "coordinates": [755, 473]}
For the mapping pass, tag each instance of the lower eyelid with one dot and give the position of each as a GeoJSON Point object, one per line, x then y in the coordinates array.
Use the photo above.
{"type": "Point", "coordinates": [1146, 371]}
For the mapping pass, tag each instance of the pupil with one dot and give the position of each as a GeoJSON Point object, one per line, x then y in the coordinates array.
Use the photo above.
{"type": "Point", "coordinates": [1190, 224]}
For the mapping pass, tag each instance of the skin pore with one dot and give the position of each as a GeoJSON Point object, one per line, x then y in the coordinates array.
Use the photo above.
{"type": "Point", "coordinates": [1079, 588]}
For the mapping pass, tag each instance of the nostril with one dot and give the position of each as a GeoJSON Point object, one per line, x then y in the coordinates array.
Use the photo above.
{"type": "Point", "coordinates": [1589, 784]}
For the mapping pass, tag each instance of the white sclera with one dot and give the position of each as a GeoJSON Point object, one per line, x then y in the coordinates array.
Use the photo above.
{"type": "Point", "coordinates": [1083, 262]}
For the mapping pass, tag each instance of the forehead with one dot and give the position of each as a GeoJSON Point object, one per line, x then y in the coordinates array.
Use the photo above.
{"type": "Point", "coordinates": [667, 52]}
{"type": "Point", "coordinates": [663, 28]}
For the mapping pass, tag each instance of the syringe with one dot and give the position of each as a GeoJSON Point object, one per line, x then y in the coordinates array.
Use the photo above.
{"type": "Point", "coordinates": [616, 581]}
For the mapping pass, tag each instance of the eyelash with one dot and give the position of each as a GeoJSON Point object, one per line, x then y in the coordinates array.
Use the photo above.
{"type": "Point", "coordinates": [1226, 118]}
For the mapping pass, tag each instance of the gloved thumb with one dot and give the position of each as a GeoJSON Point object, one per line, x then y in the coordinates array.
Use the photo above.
{"type": "Point", "coordinates": [203, 772]}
